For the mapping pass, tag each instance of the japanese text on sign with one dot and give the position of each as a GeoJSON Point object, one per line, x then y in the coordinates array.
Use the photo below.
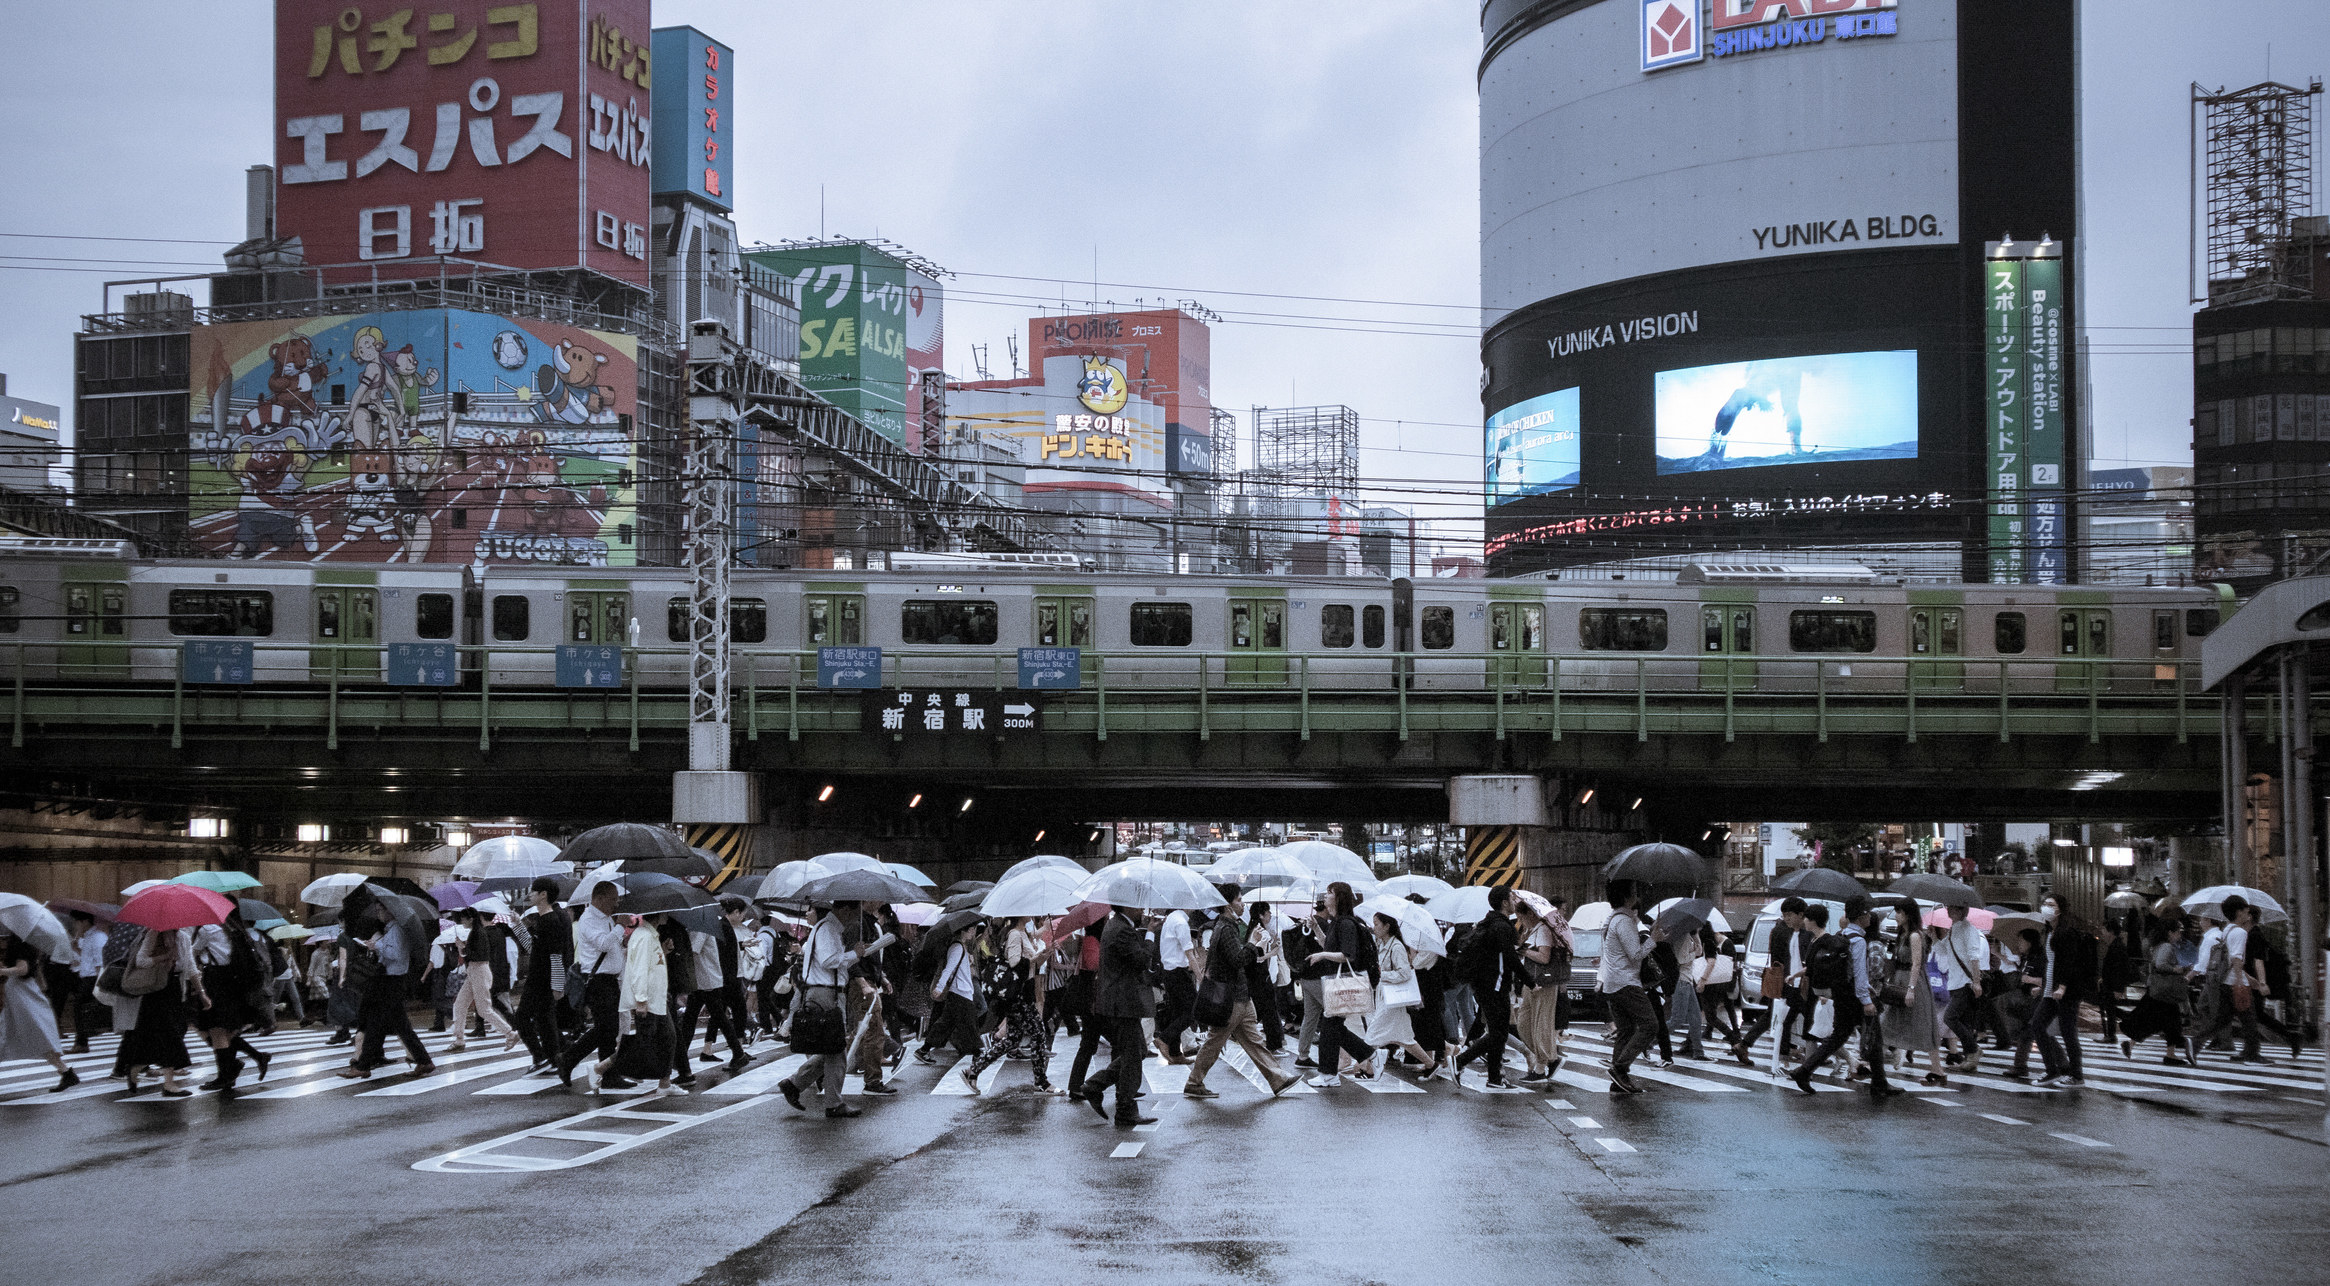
{"type": "Point", "coordinates": [918, 711]}
{"type": "Point", "coordinates": [511, 31]}
{"type": "Point", "coordinates": [1105, 441]}
{"type": "Point", "coordinates": [215, 662]}
{"type": "Point", "coordinates": [590, 666]}
{"type": "Point", "coordinates": [423, 665]}
{"type": "Point", "coordinates": [849, 667]}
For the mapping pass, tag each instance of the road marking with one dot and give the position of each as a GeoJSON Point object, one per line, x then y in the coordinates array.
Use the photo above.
{"type": "Point", "coordinates": [488, 1158]}
{"type": "Point", "coordinates": [2309, 1102]}
{"type": "Point", "coordinates": [759, 1080]}
{"type": "Point", "coordinates": [2080, 1139]}
{"type": "Point", "coordinates": [332, 1080]}
{"type": "Point", "coordinates": [2002, 1120]}
{"type": "Point", "coordinates": [1236, 1060]}
{"type": "Point", "coordinates": [1127, 1150]}
{"type": "Point", "coordinates": [1615, 1145]}
{"type": "Point", "coordinates": [950, 1081]}
{"type": "Point", "coordinates": [445, 1080]}
{"type": "Point", "coordinates": [1563, 1105]}
{"type": "Point", "coordinates": [1576, 1079]}
{"type": "Point", "coordinates": [1585, 1123]}
{"type": "Point", "coordinates": [1386, 1083]}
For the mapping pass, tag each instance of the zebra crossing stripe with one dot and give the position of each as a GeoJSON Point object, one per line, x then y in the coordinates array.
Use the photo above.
{"type": "Point", "coordinates": [498, 1155]}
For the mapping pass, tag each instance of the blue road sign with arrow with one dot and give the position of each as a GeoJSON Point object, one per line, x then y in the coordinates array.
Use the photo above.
{"type": "Point", "coordinates": [1051, 667]}
{"type": "Point", "coordinates": [590, 666]}
{"type": "Point", "coordinates": [215, 661]}
{"type": "Point", "coordinates": [423, 665]}
{"type": "Point", "coordinates": [849, 667]}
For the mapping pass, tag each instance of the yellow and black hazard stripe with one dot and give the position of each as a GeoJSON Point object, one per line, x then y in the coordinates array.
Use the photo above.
{"type": "Point", "coordinates": [1492, 856]}
{"type": "Point", "coordinates": [731, 843]}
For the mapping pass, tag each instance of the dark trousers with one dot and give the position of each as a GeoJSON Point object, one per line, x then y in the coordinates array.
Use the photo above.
{"type": "Point", "coordinates": [2224, 1016]}
{"type": "Point", "coordinates": [1096, 1029]}
{"type": "Point", "coordinates": [1335, 1033]}
{"type": "Point", "coordinates": [2048, 1017]}
{"type": "Point", "coordinates": [1496, 1019]}
{"type": "Point", "coordinates": [1842, 1030]}
{"type": "Point", "coordinates": [725, 1020]}
{"type": "Point", "coordinates": [385, 1016]}
{"type": "Point", "coordinates": [1637, 1022]}
{"type": "Point", "coordinates": [1177, 1009]}
{"type": "Point", "coordinates": [1763, 1021]}
{"type": "Point", "coordinates": [538, 1017]}
{"type": "Point", "coordinates": [1125, 1051]}
{"type": "Point", "coordinates": [1959, 1018]}
{"type": "Point", "coordinates": [955, 1021]}
{"type": "Point", "coordinates": [603, 996]}
{"type": "Point", "coordinates": [1658, 1009]}
{"type": "Point", "coordinates": [772, 1008]}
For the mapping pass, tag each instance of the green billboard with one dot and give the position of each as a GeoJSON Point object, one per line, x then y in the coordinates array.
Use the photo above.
{"type": "Point", "coordinates": [2024, 327]}
{"type": "Point", "coordinates": [853, 327]}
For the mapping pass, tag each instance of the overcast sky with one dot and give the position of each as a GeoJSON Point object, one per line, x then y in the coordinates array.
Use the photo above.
{"type": "Point", "coordinates": [1268, 160]}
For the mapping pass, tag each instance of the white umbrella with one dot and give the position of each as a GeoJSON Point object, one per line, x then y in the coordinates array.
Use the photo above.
{"type": "Point", "coordinates": [1416, 926]}
{"type": "Point", "coordinates": [1468, 905]}
{"type": "Point", "coordinates": [1332, 862]}
{"type": "Point", "coordinates": [37, 926]}
{"type": "Point", "coordinates": [787, 879]}
{"type": "Point", "coordinates": [1593, 917]}
{"type": "Point", "coordinates": [836, 863]}
{"type": "Point", "coordinates": [493, 905]}
{"type": "Point", "coordinates": [915, 912]}
{"type": "Point", "coordinates": [1044, 861]}
{"type": "Point", "coordinates": [909, 874]}
{"type": "Point", "coordinates": [1257, 867]}
{"type": "Point", "coordinates": [1039, 892]}
{"type": "Point", "coordinates": [1147, 884]}
{"type": "Point", "coordinates": [1715, 918]}
{"type": "Point", "coordinates": [331, 890]}
{"type": "Point", "coordinates": [1400, 886]}
{"type": "Point", "coordinates": [1304, 893]}
{"type": "Point", "coordinates": [2211, 902]}
{"type": "Point", "coordinates": [535, 855]}
{"type": "Point", "coordinates": [611, 873]}
{"type": "Point", "coordinates": [140, 887]}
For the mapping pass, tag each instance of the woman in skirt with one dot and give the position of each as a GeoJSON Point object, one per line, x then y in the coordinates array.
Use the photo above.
{"type": "Point", "coordinates": [159, 1038]}
{"type": "Point", "coordinates": [231, 973]}
{"type": "Point", "coordinates": [28, 1024]}
{"type": "Point", "coordinates": [1391, 1026]}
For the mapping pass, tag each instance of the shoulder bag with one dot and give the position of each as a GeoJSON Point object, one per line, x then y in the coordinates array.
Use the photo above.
{"type": "Point", "coordinates": [1345, 994]}
{"type": "Point", "coordinates": [1213, 1004]}
{"type": "Point", "coordinates": [144, 977]}
{"type": "Point", "coordinates": [817, 1029]}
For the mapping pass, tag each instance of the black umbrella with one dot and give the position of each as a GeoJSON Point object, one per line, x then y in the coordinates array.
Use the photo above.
{"type": "Point", "coordinates": [1689, 914]}
{"type": "Point", "coordinates": [860, 886]}
{"type": "Point", "coordinates": [1820, 882]}
{"type": "Point", "coordinates": [965, 900]}
{"type": "Point", "coordinates": [645, 892]}
{"type": "Point", "coordinates": [400, 884]}
{"type": "Point", "coordinates": [413, 917]}
{"type": "Point", "coordinates": [625, 842]}
{"type": "Point", "coordinates": [1662, 865]}
{"type": "Point", "coordinates": [1936, 888]}
{"type": "Point", "coordinates": [695, 868]}
{"type": "Point", "coordinates": [970, 886]}
{"type": "Point", "coordinates": [2153, 888]}
{"type": "Point", "coordinates": [939, 935]}
{"type": "Point", "coordinates": [254, 910]}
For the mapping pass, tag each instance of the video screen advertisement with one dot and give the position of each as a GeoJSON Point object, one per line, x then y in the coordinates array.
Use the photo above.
{"type": "Point", "coordinates": [1806, 401]}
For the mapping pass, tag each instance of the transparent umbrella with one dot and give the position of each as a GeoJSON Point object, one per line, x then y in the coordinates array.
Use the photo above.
{"type": "Point", "coordinates": [1038, 892]}
{"type": "Point", "coordinates": [330, 890]}
{"type": "Point", "coordinates": [1147, 884]}
{"type": "Point", "coordinates": [1332, 862]}
{"type": "Point", "coordinates": [1468, 905]}
{"type": "Point", "coordinates": [1043, 861]}
{"type": "Point", "coordinates": [510, 855]}
{"type": "Point", "coordinates": [786, 880]}
{"type": "Point", "coordinates": [36, 926]}
{"type": "Point", "coordinates": [2211, 902]}
{"type": "Point", "coordinates": [1400, 886]}
{"type": "Point", "coordinates": [1259, 867]}
{"type": "Point", "coordinates": [1417, 928]}
{"type": "Point", "coordinates": [839, 862]}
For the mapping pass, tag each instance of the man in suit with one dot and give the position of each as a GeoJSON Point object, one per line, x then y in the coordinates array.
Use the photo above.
{"type": "Point", "coordinates": [1492, 964]}
{"type": "Point", "coordinates": [1119, 1004]}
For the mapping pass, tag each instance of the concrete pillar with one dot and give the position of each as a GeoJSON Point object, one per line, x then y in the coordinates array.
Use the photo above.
{"type": "Point", "coordinates": [1518, 833]}
{"type": "Point", "coordinates": [2233, 766]}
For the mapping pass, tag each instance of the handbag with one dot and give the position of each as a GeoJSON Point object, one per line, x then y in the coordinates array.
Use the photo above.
{"type": "Point", "coordinates": [818, 1030]}
{"type": "Point", "coordinates": [646, 1053]}
{"type": "Point", "coordinates": [1213, 1004]}
{"type": "Point", "coordinates": [1824, 1019]}
{"type": "Point", "coordinates": [1400, 995]}
{"type": "Point", "coordinates": [1775, 981]}
{"type": "Point", "coordinates": [144, 977]}
{"type": "Point", "coordinates": [2244, 998]}
{"type": "Point", "coordinates": [1345, 994]}
{"type": "Point", "coordinates": [1280, 972]}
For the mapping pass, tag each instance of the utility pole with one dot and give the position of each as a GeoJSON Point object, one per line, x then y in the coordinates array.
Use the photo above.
{"type": "Point", "coordinates": [708, 792]}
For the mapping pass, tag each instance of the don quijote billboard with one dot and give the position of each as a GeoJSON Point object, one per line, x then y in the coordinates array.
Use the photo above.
{"type": "Point", "coordinates": [427, 436]}
{"type": "Point", "coordinates": [510, 134]}
{"type": "Point", "coordinates": [1167, 359]}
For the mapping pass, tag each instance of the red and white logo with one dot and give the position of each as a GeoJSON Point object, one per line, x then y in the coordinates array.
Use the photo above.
{"type": "Point", "coordinates": [1671, 33]}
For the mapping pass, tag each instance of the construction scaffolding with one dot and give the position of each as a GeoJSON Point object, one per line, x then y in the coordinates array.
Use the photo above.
{"type": "Point", "coordinates": [1225, 443]}
{"type": "Point", "coordinates": [2257, 177]}
{"type": "Point", "coordinates": [1311, 449]}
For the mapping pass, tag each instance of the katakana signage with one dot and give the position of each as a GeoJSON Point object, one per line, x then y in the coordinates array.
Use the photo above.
{"type": "Point", "coordinates": [582, 665]}
{"type": "Point", "coordinates": [2023, 310]}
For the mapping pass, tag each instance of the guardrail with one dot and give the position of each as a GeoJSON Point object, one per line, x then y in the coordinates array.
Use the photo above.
{"type": "Point", "coordinates": [1181, 691]}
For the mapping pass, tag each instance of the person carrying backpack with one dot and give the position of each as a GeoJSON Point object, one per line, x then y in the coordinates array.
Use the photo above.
{"type": "Point", "coordinates": [1837, 970]}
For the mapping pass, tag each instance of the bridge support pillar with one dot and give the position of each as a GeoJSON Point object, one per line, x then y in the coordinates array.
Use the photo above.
{"type": "Point", "coordinates": [720, 811]}
{"type": "Point", "coordinates": [1518, 833]}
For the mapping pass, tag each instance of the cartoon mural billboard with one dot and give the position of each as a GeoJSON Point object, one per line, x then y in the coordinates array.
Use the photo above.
{"type": "Point", "coordinates": [432, 436]}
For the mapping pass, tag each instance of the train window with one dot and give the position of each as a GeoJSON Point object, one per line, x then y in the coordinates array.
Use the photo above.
{"type": "Point", "coordinates": [2164, 631]}
{"type": "Point", "coordinates": [2007, 634]}
{"type": "Point", "coordinates": [2099, 634]}
{"type": "Point", "coordinates": [2199, 622]}
{"type": "Point", "coordinates": [1611, 629]}
{"type": "Point", "coordinates": [836, 620]}
{"type": "Point", "coordinates": [1832, 631]}
{"type": "Point", "coordinates": [947, 621]}
{"type": "Point", "coordinates": [77, 609]}
{"type": "Point", "coordinates": [433, 616]}
{"type": "Point", "coordinates": [748, 620]}
{"type": "Point", "coordinates": [513, 618]}
{"type": "Point", "coordinates": [675, 621]}
{"type": "Point", "coordinates": [1438, 628]}
{"type": "Point", "coordinates": [1371, 625]}
{"type": "Point", "coordinates": [8, 597]}
{"type": "Point", "coordinates": [1162, 625]}
{"type": "Point", "coordinates": [238, 613]}
{"type": "Point", "coordinates": [1335, 625]}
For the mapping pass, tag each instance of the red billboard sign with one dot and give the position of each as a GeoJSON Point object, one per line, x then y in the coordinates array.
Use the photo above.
{"type": "Point", "coordinates": [509, 134]}
{"type": "Point", "coordinates": [1168, 359]}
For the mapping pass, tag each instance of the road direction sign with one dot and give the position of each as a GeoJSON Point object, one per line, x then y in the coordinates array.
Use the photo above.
{"type": "Point", "coordinates": [583, 665]}
{"type": "Point", "coordinates": [215, 661]}
{"type": "Point", "coordinates": [423, 665]}
{"type": "Point", "coordinates": [1042, 668]}
{"type": "Point", "coordinates": [849, 667]}
{"type": "Point", "coordinates": [954, 711]}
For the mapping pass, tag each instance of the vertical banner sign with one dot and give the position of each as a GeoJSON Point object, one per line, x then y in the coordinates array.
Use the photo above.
{"type": "Point", "coordinates": [695, 124]}
{"type": "Point", "coordinates": [2043, 434]}
{"type": "Point", "coordinates": [2003, 415]}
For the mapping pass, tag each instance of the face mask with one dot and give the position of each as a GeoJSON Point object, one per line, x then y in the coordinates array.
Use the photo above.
{"type": "Point", "coordinates": [2047, 913]}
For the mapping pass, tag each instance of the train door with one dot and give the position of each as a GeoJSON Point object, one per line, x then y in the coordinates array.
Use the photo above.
{"type": "Point", "coordinates": [1257, 641]}
{"type": "Point", "coordinates": [94, 642]}
{"type": "Point", "coordinates": [2083, 633]}
{"type": "Point", "coordinates": [833, 620]}
{"type": "Point", "coordinates": [1727, 634]}
{"type": "Point", "coordinates": [1517, 645]}
{"type": "Point", "coordinates": [1064, 619]}
{"type": "Point", "coordinates": [345, 632]}
{"type": "Point", "coordinates": [1937, 646]}
{"type": "Point", "coordinates": [600, 616]}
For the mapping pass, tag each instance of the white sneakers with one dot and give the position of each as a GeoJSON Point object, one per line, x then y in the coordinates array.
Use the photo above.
{"type": "Point", "coordinates": [1324, 1081]}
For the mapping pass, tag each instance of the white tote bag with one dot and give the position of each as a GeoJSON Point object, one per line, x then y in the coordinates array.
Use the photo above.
{"type": "Point", "coordinates": [1823, 1019]}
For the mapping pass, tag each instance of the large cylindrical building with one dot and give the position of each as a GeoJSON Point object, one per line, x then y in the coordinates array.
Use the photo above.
{"type": "Point", "coordinates": [1741, 273]}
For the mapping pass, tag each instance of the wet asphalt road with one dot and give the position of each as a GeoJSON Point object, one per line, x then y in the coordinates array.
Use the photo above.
{"type": "Point", "coordinates": [1718, 1177]}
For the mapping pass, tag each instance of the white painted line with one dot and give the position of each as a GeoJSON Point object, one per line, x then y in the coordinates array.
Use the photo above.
{"type": "Point", "coordinates": [2309, 1102]}
{"type": "Point", "coordinates": [1128, 1150]}
{"type": "Point", "coordinates": [1563, 1105]}
{"type": "Point", "coordinates": [330, 1079]}
{"type": "Point", "coordinates": [1386, 1083]}
{"type": "Point", "coordinates": [1576, 1079]}
{"type": "Point", "coordinates": [1615, 1145]}
{"type": "Point", "coordinates": [950, 1082]}
{"type": "Point", "coordinates": [2002, 1120]}
{"type": "Point", "coordinates": [524, 1085]}
{"type": "Point", "coordinates": [2080, 1139]}
{"type": "Point", "coordinates": [446, 1080]}
{"type": "Point", "coordinates": [490, 1158]}
{"type": "Point", "coordinates": [759, 1080]}
{"type": "Point", "coordinates": [1236, 1060]}
{"type": "Point", "coordinates": [1585, 1123]}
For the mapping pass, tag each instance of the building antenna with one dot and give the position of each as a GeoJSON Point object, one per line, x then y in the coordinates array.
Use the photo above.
{"type": "Point", "coordinates": [821, 212]}
{"type": "Point", "coordinates": [1096, 276]}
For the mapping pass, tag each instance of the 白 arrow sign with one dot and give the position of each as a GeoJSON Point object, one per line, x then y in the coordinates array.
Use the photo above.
{"type": "Point", "coordinates": [1019, 710]}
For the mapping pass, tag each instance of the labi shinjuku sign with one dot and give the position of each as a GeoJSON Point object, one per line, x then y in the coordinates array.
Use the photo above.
{"type": "Point", "coordinates": [1674, 32]}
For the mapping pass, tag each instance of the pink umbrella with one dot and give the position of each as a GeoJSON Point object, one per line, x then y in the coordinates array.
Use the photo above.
{"type": "Point", "coordinates": [1939, 918]}
{"type": "Point", "coordinates": [176, 906]}
{"type": "Point", "coordinates": [1085, 914]}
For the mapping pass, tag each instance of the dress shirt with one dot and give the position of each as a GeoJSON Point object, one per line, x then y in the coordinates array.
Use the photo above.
{"type": "Point", "coordinates": [390, 947]}
{"type": "Point", "coordinates": [2236, 952]}
{"type": "Point", "coordinates": [827, 961]}
{"type": "Point", "coordinates": [1857, 941]}
{"type": "Point", "coordinates": [1623, 948]}
{"type": "Point", "coordinates": [1173, 944]}
{"type": "Point", "coordinates": [211, 947]}
{"type": "Point", "coordinates": [645, 980]}
{"type": "Point", "coordinates": [2208, 948]}
{"type": "Point", "coordinates": [599, 941]}
{"type": "Point", "coordinates": [91, 960]}
{"type": "Point", "coordinates": [957, 977]}
{"type": "Point", "coordinates": [1963, 943]}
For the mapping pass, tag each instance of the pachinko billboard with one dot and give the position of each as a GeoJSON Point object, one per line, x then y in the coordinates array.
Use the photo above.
{"type": "Point", "coordinates": [432, 436]}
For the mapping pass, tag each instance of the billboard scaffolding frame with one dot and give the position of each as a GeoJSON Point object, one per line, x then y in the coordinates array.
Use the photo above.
{"type": "Point", "coordinates": [2253, 150]}
{"type": "Point", "coordinates": [1309, 447]}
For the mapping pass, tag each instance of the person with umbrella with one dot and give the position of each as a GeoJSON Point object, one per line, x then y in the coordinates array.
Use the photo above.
{"type": "Point", "coordinates": [1545, 953]}
{"type": "Point", "coordinates": [1964, 953]}
{"type": "Point", "coordinates": [1785, 962]}
{"type": "Point", "coordinates": [1846, 982]}
{"type": "Point", "coordinates": [383, 1008]}
{"type": "Point", "coordinates": [485, 971]}
{"type": "Point", "coordinates": [719, 963]}
{"type": "Point", "coordinates": [825, 971]}
{"type": "Point", "coordinates": [1119, 1003]}
{"type": "Point", "coordinates": [954, 994]}
{"type": "Point", "coordinates": [646, 996]}
{"type": "Point", "coordinates": [1619, 978]}
{"type": "Point", "coordinates": [1343, 944]}
{"type": "Point", "coordinates": [1016, 986]}
{"type": "Point", "coordinates": [1236, 947]}
{"type": "Point", "coordinates": [28, 1023]}
{"type": "Point", "coordinates": [598, 951]}
{"type": "Point", "coordinates": [1390, 1026]}
{"type": "Point", "coordinates": [89, 939]}
{"type": "Point", "coordinates": [1913, 1025]}
{"type": "Point", "coordinates": [157, 975]}
{"type": "Point", "coordinates": [2167, 995]}
{"type": "Point", "coordinates": [2225, 966]}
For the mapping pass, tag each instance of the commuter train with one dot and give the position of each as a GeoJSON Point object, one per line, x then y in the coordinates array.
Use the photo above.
{"type": "Point", "coordinates": [83, 609]}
